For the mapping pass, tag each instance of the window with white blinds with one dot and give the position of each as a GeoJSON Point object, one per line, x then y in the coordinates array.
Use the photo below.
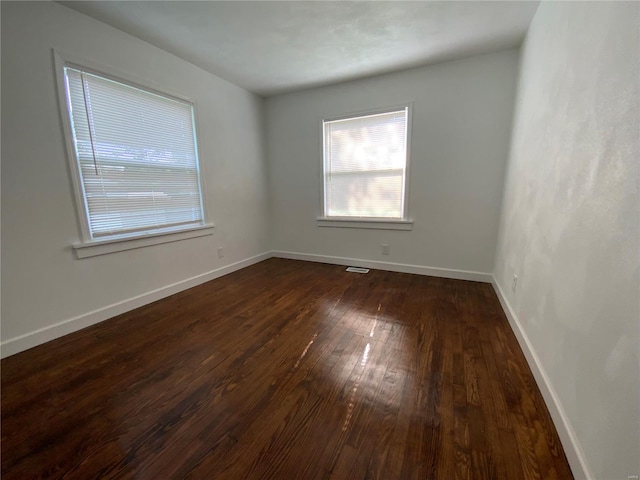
{"type": "Point", "coordinates": [136, 155]}
{"type": "Point", "coordinates": [365, 166]}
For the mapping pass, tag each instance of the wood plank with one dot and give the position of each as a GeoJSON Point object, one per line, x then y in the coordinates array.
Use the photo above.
{"type": "Point", "coordinates": [285, 369]}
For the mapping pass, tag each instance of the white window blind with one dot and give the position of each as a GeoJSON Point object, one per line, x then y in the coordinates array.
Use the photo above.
{"type": "Point", "coordinates": [365, 163]}
{"type": "Point", "coordinates": [136, 154]}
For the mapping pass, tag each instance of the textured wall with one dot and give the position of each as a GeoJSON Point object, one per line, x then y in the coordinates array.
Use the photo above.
{"type": "Point", "coordinates": [42, 282]}
{"type": "Point", "coordinates": [569, 226]}
{"type": "Point", "coordinates": [462, 114]}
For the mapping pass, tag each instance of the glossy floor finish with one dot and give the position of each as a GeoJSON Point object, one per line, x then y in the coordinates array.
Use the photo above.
{"type": "Point", "coordinates": [285, 370]}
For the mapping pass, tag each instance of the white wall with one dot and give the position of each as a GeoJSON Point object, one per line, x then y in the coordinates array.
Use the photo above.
{"type": "Point", "coordinates": [42, 283]}
{"type": "Point", "coordinates": [461, 126]}
{"type": "Point", "coordinates": [569, 226]}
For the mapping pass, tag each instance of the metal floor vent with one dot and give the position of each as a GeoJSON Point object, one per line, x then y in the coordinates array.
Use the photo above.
{"type": "Point", "coordinates": [357, 270]}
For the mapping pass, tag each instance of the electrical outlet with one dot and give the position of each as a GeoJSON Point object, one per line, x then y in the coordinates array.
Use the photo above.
{"type": "Point", "coordinates": [514, 283]}
{"type": "Point", "coordinates": [220, 252]}
{"type": "Point", "coordinates": [385, 249]}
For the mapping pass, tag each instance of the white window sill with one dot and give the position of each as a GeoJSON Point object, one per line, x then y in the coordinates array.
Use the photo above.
{"type": "Point", "coordinates": [376, 224]}
{"type": "Point", "coordinates": [102, 247]}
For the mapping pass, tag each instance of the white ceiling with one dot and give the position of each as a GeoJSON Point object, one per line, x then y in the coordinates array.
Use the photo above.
{"type": "Point", "coordinates": [277, 46]}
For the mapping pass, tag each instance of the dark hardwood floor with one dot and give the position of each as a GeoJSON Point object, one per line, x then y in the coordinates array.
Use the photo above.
{"type": "Point", "coordinates": [285, 370]}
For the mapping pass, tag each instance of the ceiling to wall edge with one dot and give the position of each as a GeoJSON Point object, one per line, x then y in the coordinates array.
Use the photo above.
{"type": "Point", "coordinates": [514, 44]}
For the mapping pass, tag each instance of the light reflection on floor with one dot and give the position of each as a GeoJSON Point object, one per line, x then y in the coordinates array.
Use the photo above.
{"type": "Point", "coordinates": [352, 397]}
{"type": "Point", "coordinates": [306, 349]}
{"type": "Point", "coordinates": [350, 407]}
{"type": "Point", "coordinates": [364, 324]}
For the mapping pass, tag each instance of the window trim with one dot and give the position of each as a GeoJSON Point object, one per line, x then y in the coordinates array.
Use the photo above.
{"type": "Point", "coordinates": [360, 222]}
{"type": "Point", "coordinates": [89, 246]}
{"type": "Point", "coordinates": [380, 223]}
{"type": "Point", "coordinates": [111, 245]}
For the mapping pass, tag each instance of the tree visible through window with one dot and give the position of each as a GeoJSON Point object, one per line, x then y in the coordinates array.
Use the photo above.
{"type": "Point", "coordinates": [365, 166]}
{"type": "Point", "coordinates": [136, 157]}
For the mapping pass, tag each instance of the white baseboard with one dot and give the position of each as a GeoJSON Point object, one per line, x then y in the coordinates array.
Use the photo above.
{"type": "Point", "coordinates": [575, 455]}
{"type": "Point", "coordinates": [46, 334]}
{"type": "Point", "coordinates": [572, 448]}
{"type": "Point", "coordinates": [389, 266]}
{"type": "Point", "coordinates": [43, 335]}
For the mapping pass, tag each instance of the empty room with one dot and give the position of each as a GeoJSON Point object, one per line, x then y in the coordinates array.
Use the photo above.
{"type": "Point", "coordinates": [320, 240]}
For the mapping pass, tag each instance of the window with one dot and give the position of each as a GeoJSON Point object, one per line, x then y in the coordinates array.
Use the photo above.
{"type": "Point", "coordinates": [365, 167]}
{"type": "Point", "coordinates": [136, 158]}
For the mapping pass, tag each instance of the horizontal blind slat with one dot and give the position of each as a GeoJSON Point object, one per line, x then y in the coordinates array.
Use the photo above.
{"type": "Point", "coordinates": [365, 165]}
{"type": "Point", "coordinates": [137, 156]}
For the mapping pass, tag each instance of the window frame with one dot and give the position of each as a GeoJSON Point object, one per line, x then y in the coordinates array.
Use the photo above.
{"type": "Point", "coordinates": [88, 246]}
{"type": "Point", "coordinates": [378, 223]}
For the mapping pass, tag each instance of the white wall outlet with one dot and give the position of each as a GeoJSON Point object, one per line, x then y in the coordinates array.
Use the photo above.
{"type": "Point", "coordinates": [385, 249]}
{"type": "Point", "coordinates": [514, 283]}
{"type": "Point", "coordinates": [220, 252]}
